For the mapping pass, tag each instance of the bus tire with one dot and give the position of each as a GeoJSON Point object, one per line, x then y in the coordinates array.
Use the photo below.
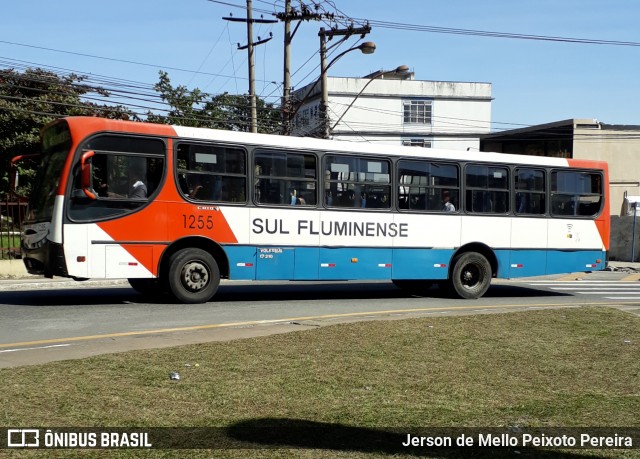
{"type": "Point", "coordinates": [149, 287]}
{"type": "Point", "coordinates": [415, 286]}
{"type": "Point", "coordinates": [470, 276]}
{"type": "Point", "coordinates": [193, 276]}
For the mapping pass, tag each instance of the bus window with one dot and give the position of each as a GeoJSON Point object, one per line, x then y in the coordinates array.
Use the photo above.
{"type": "Point", "coordinates": [487, 189]}
{"type": "Point", "coordinates": [576, 193]}
{"type": "Point", "coordinates": [285, 178]}
{"type": "Point", "coordinates": [428, 186]}
{"type": "Point", "coordinates": [358, 182]}
{"type": "Point", "coordinates": [530, 186]}
{"type": "Point", "coordinates": [208, 172]}
{"type": "Point", "coordinates": [125, 173]}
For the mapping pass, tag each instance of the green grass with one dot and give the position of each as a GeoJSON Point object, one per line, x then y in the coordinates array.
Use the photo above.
{"type": "Point", "coordinates": [555, 368]}
{"type": "Point", "coordinates": [9, 242]}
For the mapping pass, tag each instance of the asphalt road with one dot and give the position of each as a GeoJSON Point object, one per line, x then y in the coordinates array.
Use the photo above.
{"type": "Point", "coordinates": [50, 321]}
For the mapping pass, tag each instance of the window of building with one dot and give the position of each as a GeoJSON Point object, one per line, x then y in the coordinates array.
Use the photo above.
{"type": "Point", "coordinates": [576, 193]}
{"type": "Point", "coordinates": [424, 143]}
{"type": "Point", "coordinates": [530, 191]}
{"type": "Point", "coordinates": [417, 111]}
{"type": "Point", "coordinates": [487, 189]}
{"type": "Point", "coordinates": [285, 178]}
{"type": "Point", "coordinates": [352, 181]}
{"type": "Point", "coordinates": [428, 186]}
{"type": "Point", "coordinates": [208, 172]}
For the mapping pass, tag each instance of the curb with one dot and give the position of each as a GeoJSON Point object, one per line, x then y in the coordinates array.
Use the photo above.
{"type": "Point", "coordinates": [14, 284]}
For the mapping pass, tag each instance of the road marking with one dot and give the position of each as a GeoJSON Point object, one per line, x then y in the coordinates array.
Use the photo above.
{"type": "Point", "coordinates": [600, 287]}
{"type": "Point", "coordinates": [578, 282]}
{"type": "Point", "coordinates": [442, 310]}
{"type": "Point", "coordinates": [594, 288]}
{"type": "Point", "coordinates": [33, 348]}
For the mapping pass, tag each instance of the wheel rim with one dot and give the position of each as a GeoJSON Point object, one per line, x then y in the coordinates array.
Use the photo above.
{"type": "Point", "coordinates": [194, 276]}
{"type": "Point", "coordinates": [470, 276]}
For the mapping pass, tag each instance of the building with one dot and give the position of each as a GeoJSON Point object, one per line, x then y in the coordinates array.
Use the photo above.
{"type": "Point", "coordinates": [618, 145]}
{"type": "Point", "coordinates": [394, 108]}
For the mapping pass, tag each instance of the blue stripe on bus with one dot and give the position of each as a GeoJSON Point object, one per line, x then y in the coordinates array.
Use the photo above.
{"type": "Point", "coordinates": [344, 263]}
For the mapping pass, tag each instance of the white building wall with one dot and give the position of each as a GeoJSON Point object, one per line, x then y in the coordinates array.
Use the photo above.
{"type": "Point", "coordinates": [372, 110]}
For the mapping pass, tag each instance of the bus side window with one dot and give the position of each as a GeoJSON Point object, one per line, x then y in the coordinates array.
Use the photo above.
{"type": "Point", "coordinates": [212, 172]}
{"type": "Point", "coordinates": [576, 193]}
{"type": "Point", "coordinates": [285, 178]}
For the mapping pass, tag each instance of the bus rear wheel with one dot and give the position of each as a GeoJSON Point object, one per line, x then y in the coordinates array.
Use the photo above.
{"type": "Point", "coordinates": [193, 276]}
{"type": "Point", "coordinates": [471, 276]}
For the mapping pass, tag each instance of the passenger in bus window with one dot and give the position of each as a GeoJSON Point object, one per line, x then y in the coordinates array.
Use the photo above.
{"type": "Point", "coordinates": [293, 198]}
{"type": "Point", "coordinates": [328, 198]}
{"type": "Point", "coordinates": [138, 188]}
{"type": "Point", "coordinates": [195, 190]}
{"type": "Point", "coordinates": [351, 199]}
{"type": "Point", "coordinates": [447, 205]}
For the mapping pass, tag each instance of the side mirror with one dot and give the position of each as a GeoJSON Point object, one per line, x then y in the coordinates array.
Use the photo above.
{"type": "Point", "coordinates": [85, 174]}
{"type": "Point", "coordinates": [14, 175]}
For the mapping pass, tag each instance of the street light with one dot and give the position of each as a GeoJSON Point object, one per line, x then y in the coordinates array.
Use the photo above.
{"type": "Point", "coordinates": [368, 47]}
{"type": "Point", "coordinates": [399, 70]}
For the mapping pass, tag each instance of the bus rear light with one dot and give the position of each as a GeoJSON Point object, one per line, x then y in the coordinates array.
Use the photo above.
{"type": "Point", "coordinates": [327, 265]}
{"type": "Point", "coordinates": [81, 259]}
{"type": "Point", "coordinates": [591, 266]}
{"type": "Point", "coordinates": [244, 265]}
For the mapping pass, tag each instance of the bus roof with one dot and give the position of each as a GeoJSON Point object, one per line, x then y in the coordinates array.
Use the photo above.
{"type": "Point", "coordinates": [308, 143]}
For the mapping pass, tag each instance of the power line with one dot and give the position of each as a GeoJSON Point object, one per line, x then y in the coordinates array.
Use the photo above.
{"type": "Point", "coordinates": [486, 33]}
{"type": "Point", "coordinates": [112, 59]}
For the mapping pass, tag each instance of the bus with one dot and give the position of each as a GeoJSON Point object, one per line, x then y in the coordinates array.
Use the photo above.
{"type": "Point", "coordinates": [176, 209]}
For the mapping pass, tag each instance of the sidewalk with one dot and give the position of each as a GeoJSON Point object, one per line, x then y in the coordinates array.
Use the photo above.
{"type": "Point", "coordinates": [623, 266]}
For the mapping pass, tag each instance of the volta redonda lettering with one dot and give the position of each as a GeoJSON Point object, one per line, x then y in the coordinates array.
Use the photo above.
{"type": "Point", "coordinates": [329, 228]}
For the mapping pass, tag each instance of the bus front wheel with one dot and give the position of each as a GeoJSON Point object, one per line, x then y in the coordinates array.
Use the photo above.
{"type": "Point", "coordinates": [194, 276]}
{"type": "Point", "coordinates": [471, 275]}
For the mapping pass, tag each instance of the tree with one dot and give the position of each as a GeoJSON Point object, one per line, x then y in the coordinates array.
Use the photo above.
{"type": "Point", "coordinates": [223, 111]}
{"type": "Point", "coordinates": [33, 98]}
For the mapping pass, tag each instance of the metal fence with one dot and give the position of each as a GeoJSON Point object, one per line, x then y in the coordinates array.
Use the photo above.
{"type": "Point", "coordinates": [12, 214]}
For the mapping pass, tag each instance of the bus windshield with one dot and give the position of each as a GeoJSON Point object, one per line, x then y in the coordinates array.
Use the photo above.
{"type": "Point", "coordinates": [56, 142]}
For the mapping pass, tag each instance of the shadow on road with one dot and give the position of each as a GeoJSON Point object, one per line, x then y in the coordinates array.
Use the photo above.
{"type": "Point", "coordinates": [256, 293]}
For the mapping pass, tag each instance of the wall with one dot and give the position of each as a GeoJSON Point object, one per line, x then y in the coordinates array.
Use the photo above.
{"type": "Point", "coordinates": [461, 111]}
{"type": "Point", "coordinates": [621, 239]}
{"type": "Point", "coordinates": [619, 146]}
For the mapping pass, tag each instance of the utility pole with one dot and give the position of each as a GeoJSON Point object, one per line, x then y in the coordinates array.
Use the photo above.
{"type": "Point", "coordinates": [252, 65]}
{"type": "Point", "coordinates": [289, 15]}
{"type": "Point", "coordinates": [286, 86]}
{"type": "Point", "coordinates": [366, 48]}
{"type": "Point", "coordinates": [249, 46]}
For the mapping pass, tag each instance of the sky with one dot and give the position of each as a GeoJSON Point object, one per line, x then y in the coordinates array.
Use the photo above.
{"type": "Point", "coordinates": [533, 81]}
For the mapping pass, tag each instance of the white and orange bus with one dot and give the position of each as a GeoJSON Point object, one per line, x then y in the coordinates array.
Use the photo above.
{"type": "Point", "coordinates": [176, 209]}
